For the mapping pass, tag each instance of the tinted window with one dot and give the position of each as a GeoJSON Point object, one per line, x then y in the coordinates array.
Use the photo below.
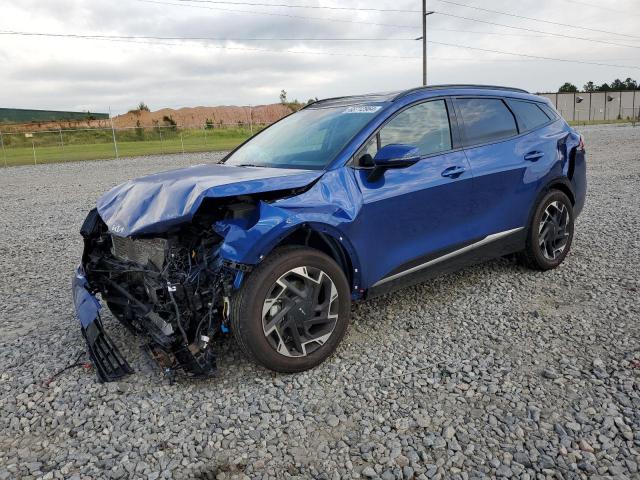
{"type": "Point", "coordinates": [486, 120]}
{"type": "Point", "coordinates": [528, 114]}
{"type": "Point", "coordinates": [425, 126]}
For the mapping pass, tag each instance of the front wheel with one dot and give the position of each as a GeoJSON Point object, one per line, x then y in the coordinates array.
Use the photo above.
{"type": "Point", "coordinates": [292, 311]}
{"type": "Point", "coordinates": [550, 232]}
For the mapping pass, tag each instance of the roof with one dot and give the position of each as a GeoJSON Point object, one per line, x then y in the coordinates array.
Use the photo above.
{"type": "Point", "coordinates": [392, 96]}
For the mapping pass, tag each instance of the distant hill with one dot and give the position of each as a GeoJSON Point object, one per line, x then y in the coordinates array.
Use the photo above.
{"type": "Point", "coordinates": [196, 117]}
{"type": "Point", "coordinates": [189, 117]}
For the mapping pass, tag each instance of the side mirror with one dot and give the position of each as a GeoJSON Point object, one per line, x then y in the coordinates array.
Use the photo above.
{"type": "Point", "coordinates": [393, 156]}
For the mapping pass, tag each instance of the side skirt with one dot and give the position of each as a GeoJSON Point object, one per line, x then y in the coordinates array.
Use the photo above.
{"type": "Point", "coordinates": [487, 248]}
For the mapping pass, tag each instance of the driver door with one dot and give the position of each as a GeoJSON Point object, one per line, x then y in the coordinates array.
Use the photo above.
{"type": "Point", "coordinates": [413, 214]}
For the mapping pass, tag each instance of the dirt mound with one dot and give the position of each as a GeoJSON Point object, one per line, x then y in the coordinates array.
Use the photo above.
{"type": "Point", "coordinates": [196, 117]}
{"type": "Point", "coordinates": [189, 117]}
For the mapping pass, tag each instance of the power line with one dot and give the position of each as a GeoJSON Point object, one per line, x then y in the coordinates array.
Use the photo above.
{"type": "Point", "coordinates": [451, 2]}
{"type": "Point", "coordinates": [586, 4]}
{"type": "Point", "coordinates": [560, 35]}
{"type": "Point", "coordinates": [235, 39]}
{"type": "Point", "coordinates": [314, 7]}
{"type": "Point", "coordinates": [539, 57]}
{"type": "Point", "coordinates": [213, 39]}
{"type": "Point", "coordinates": [272, 14]}
{"type": "Point", "coordinates": [500, 34]}
{"type": "Point", "coordinates": [399, 10]}
{"type": "Point", "coordinates": [137, 39]}
{"type": "Point", "coordinates": [473, 32]}
{"type": "Point", "coordinates": [162, 41]}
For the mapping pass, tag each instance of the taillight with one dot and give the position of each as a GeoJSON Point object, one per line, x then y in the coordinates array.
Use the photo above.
{"type": "Point", "coordinates": [581, 144]}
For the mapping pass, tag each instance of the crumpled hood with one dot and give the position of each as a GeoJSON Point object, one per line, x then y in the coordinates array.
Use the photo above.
{"type": "Point", "coordinates": [156, 202]}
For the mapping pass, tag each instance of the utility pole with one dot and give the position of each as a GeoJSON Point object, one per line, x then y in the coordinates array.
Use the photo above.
{"type": "Point", "coordinates": [424, 41]}
{"type": "Point", "coordinates": [113, 134]}
{"type": "Point", "coordinates": [4, 153]}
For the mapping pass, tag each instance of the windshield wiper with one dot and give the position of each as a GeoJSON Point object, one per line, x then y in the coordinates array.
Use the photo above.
{"type": "Point", "coordinates": [250, 165]}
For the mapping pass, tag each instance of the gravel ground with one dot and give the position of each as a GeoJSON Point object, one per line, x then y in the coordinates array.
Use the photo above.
{"type": "Point", "coordinates": [495, 371]}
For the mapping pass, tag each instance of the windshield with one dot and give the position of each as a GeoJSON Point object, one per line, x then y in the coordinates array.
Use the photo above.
{"type": "Point", "coordinates": [309, 139]}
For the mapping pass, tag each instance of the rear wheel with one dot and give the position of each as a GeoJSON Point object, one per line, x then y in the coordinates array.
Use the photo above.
{"type": "Point", "coordinates": [292, 311]}
{"type": "Point", "coordinates": [550, 232]}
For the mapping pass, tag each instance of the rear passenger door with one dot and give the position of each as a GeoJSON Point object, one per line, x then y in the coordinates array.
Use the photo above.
{"type": "Point", "coordinates": [507, 162]}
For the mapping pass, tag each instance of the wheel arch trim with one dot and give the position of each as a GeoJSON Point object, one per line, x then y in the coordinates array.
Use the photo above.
{"type": "Point", "coordinates": [337, 246]}
{"type": "Point", "coordinates": [561, 184]}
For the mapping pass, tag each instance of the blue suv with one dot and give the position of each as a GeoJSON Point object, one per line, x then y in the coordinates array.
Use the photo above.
{"type": "Point", "coordinates": [344, 200]}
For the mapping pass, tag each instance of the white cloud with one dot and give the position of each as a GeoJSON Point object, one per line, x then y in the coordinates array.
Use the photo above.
{"type": "Point", "coordinates": [41, 72]}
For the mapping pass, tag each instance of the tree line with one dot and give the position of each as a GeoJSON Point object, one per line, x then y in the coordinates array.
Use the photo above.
{"type": "Point", "coordinates": [617, 84]}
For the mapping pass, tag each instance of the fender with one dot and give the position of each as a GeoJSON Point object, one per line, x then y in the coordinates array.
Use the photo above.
{"type": "Point", "coordinates": [251, 243]}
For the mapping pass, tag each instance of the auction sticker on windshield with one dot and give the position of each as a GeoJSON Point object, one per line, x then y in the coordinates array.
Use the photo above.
{"type": "Point", "coordinates": [362, 109]}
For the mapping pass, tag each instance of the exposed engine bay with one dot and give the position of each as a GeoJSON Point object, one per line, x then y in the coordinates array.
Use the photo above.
{"type": "Point", "coordinates": [173, 290]}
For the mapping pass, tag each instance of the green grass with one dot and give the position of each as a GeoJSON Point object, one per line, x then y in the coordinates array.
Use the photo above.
{"type": "Point", "coordinates": [94, 145]}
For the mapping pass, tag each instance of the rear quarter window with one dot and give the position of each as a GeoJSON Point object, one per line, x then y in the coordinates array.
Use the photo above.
{"type": "Point", "coordinates": [551, 113]}
{"type": "Point", "coordinates": [486, 120]}
{"type": "Point", "coordinates": [529, 115]}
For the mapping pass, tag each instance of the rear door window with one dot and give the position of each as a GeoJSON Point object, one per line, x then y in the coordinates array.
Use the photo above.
{"type": "Point", "coordinates": [529, 115]}
{"type": "Point", "coordinates": [486, 120]}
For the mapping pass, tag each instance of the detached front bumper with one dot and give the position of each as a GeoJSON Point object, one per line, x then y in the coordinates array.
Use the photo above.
{"type": "Point", "coordinates": [109, 363]}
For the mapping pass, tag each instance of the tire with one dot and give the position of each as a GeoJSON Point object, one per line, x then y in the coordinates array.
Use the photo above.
{"type": "Point", "coordinates": [545, 251]}
{"type": "Point", "coordinates": [270, 290]}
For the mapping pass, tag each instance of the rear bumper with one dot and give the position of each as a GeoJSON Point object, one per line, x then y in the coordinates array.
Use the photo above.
{"type": "Point", "coordinates": [108, 361]}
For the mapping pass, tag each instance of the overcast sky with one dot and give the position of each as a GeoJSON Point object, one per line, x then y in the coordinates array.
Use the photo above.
{"type": "Point", "coordinates": [81, 74]}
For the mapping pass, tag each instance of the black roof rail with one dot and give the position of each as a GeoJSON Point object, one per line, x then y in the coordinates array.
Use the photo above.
{"type": "Point", "coordinates": [445, 86]}
{"type": "Point", "coordinates": [365, 97]}
{"type": "Point", "coordinates": [392, 96]}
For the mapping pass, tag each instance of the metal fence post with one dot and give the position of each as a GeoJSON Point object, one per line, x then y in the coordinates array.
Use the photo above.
{"type": "Point", "coordinates": [33, 145]}
{"type": "Point", "coordinates": [161, 144]}
{"type": "Point", "coordinates": [4, 153]}
{"type": "Point", "coordinates": [113, 134]}
{"type": "Point", "coordinates": [205, 133]}
{"type": "Point", "coordinates": [620, 105]}
{"type": "Point", "coordinates": [182, 143]}
{"type": "Point", "coordinates": [61, 141]}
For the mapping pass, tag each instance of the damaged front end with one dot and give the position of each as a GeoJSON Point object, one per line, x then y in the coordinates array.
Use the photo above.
{"type": "Point", "coordinates": [170, 289]}
{"type": "Point", "coordinates": [160, 252]}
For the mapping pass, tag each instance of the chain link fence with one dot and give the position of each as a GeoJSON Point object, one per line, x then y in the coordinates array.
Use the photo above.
{"type": "Point", "coordinates": [63, 145]}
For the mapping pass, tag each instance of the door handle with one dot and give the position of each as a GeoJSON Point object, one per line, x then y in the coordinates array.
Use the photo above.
{"type": "Point", "coordinates": [533, 156]}
{"type": "Point", "coordinates": [453, 172]}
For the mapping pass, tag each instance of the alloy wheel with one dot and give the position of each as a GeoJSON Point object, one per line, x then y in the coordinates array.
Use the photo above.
{"type": "Point", "coordinates": [300, 311]}
{"type": "Point", "coordinates": [553, 231]}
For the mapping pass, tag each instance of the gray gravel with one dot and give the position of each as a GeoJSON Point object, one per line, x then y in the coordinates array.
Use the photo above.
{"type": "Point", "coordinates": [495, 371]}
